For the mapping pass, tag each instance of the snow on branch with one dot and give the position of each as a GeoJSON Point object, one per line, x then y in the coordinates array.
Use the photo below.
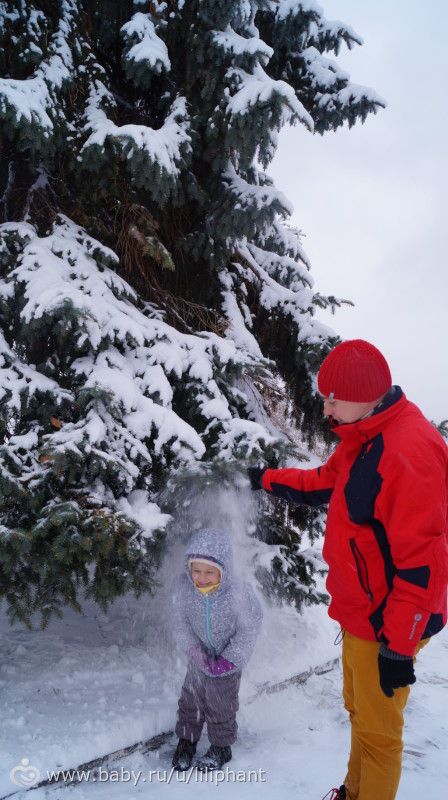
{"type": "Point", "coordinates": [258, 196]}
{"type": "Point", "coordinates": [306, 19]}
{"type": "Point", "coordinates": [354, 101]}
{"type": "Point", "coordinates": [145, 53]}
{"type": "Point", "coordinates": [18, 379]}
{"type": "Point", "coordinates": [258, 89]}
{"type": "Point", "coordinates": [284, 269]}
{"type": "Point", "coordinates": [297, 7]}
{"type": "Point", "coordinates": [331, 33]}
{"type": "Point", "coordinates": [244, 439]}
{"type": "Point", "coordinates": [149, 153]}
{"type": "Point", "coordinates": [322, 72]}
{"type": "Point", "coordinates": [294, 302]}
{"type": "Point", "coordinates": [308, 16]}
{"type": "Point", "coordinates": [239, 323]}
{"type": "Point", "coordinates": [31, 106]}
{"type": "Point", "coordinates": [354, 94]}
{"type": "Point", "coordinates": [236, 45]}
{"type": "Point", "coordinates": [285, 240]}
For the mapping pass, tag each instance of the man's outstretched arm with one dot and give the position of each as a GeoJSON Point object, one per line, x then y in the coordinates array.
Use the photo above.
{"type": "Point", "coordinates": [312, 487]}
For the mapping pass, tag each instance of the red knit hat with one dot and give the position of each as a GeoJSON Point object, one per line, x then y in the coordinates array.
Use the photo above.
{"type": "Point", "coordinates": [354, 370]}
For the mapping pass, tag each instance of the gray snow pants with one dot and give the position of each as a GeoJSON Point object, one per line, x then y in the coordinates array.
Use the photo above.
{"type": "Point", "coordinates": [210, 700]}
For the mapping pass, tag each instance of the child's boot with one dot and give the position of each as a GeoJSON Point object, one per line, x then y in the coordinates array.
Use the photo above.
{"type": "Point", "coordinates": [215, 757]}
{"type": "Point", "coordinates": [183, 755]}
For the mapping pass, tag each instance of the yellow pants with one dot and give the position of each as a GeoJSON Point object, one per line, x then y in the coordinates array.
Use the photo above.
{"type": "Point", "coordinates": [374, 766]}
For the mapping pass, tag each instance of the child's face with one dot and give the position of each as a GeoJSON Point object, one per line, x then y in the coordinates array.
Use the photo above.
{"type": "Point", "coordinates": [204, 575]}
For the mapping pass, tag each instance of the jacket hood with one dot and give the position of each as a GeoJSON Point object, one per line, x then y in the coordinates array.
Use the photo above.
{"type": "Point", "coordinates": [214, 544]}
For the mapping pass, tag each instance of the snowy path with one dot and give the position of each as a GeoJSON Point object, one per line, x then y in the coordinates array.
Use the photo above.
{"type": "Point", "coordinates": [91, 684]}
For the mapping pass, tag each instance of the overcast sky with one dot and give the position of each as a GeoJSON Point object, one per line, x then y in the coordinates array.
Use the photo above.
{"type": "Point", "coordinates": [372, 201]}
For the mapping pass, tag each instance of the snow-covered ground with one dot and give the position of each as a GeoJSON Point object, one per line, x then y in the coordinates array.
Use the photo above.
{"type": "Point", "coordinates": [91, 684]}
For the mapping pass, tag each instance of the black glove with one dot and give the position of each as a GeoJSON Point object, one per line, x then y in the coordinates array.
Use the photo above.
{"type": "Point", "coordinates": [395, 671]}
{"type": "Point", "coordinates": [255, 475]}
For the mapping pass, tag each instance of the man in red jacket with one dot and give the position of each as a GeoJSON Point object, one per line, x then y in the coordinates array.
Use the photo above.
{"type": "Point", "coordinates": [386, 545]}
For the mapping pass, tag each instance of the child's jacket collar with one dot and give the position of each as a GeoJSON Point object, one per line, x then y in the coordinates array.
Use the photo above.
{"type": "Point", "coordinates": [208, 589]}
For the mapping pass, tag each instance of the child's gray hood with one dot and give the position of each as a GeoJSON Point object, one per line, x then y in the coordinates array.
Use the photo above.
{"type": "Point", "coordinates": [214, 544]}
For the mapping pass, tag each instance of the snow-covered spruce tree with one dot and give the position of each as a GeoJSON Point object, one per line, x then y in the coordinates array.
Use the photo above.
{"type": "Point", "coordinates": [152, 293]}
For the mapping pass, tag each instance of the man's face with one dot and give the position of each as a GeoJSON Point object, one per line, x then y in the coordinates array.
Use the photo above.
{"type": "Point", "coordinates": [342, 412]}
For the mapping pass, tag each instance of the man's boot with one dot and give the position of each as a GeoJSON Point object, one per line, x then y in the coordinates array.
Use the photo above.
{"type": "Point", "coordinates": [336, 794]}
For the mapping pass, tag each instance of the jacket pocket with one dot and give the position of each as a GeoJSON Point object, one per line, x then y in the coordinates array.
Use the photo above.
{"type": "Point", "coordinates": [361, 568]}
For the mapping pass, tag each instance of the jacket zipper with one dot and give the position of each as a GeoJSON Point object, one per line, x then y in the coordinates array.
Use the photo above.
{"type": "Point", "coordinates": [208, 624]}
{"type": "Point", "coordinates": [361, 568]}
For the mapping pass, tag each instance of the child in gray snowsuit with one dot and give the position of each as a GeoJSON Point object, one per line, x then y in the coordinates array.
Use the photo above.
{"type": "Point", "coordinates": [217, 622]}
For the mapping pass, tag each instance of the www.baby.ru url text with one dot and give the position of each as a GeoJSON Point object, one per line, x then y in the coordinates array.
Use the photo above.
{"type": "Point", "coordinates": [123, 775]}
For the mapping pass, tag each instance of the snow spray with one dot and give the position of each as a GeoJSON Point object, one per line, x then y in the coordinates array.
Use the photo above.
{"type": "Point", "coordinates": [209, 501]}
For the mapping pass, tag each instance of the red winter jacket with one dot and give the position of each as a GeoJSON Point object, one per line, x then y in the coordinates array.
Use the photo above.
{"type": "Point", "coordinates": [386, 540]}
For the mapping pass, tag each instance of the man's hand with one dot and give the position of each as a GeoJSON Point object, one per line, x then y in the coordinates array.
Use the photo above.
{"type": "Point", "coordinates": [255, 475]}
{"type": "Point", "coordinates": [396, 671]}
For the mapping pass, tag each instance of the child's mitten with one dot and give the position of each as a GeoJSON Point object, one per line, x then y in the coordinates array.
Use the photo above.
{"type": "Point", "coordinates": [219, 666]}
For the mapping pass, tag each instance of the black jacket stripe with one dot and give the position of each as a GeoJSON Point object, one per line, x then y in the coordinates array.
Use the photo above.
{"type": "Point", "coordinates": [318, 497]}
